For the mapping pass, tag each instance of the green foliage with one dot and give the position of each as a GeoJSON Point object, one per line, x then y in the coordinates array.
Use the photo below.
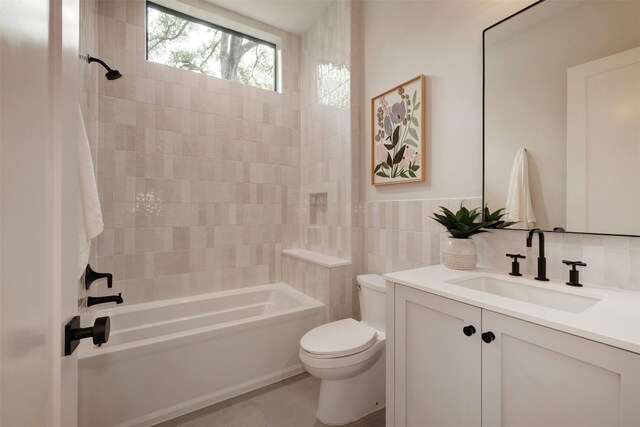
{"type": "Point", "coordinates": [399, 155]}
{"type": "Point", "coordinates": [462, 224]}
{"type": "Point", "coordinates": [181, 43]}
{"type": "Point", "coordinates": [494, 219]}
{"type": "Point", "coordinates": [164, 28]}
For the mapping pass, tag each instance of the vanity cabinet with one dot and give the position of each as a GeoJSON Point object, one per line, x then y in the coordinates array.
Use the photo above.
{"type": "Point", "coordinates": [509, 372]}
{"type": "Point", "coordinates": [437, 366]}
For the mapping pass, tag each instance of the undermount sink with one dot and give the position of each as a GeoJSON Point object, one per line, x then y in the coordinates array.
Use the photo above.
{"type": "Point", "coordinates": [532, 294]}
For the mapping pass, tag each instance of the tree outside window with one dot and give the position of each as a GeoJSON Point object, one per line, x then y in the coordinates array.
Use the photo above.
{"type": "Point", "coordinates": [188, 43]}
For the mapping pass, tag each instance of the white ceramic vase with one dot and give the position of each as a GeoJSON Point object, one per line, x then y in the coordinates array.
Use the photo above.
{"type": "Point", "coordinates": [460, 254]}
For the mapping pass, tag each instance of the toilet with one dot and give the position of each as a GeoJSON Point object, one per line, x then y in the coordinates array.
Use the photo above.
{"type": "Point", "coordinates": [348, 357]}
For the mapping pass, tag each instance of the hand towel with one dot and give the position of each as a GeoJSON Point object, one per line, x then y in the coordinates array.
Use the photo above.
{"type": "Point", "coordinates": [519, 207]}
{"type": "Point", "coordinates": [90, 218]}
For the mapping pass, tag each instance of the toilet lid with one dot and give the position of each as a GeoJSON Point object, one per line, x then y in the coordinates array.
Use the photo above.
{"type": "Point", "coordinates": [339, 338]}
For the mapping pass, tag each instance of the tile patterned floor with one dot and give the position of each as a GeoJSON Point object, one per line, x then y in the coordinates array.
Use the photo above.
{"type": "Point", "coordinates": [289, 403]}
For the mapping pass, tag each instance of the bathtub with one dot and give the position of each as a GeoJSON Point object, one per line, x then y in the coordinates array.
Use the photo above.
{"type": "Point", "coordinates": [171, 357]}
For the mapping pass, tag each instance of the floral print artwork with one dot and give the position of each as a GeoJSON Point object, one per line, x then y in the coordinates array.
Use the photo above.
{"type": "Point", "coordinates": [398, 135]}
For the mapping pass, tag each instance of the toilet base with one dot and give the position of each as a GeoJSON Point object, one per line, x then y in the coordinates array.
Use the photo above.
{"type": "Point", "coordinates": [347, 400]}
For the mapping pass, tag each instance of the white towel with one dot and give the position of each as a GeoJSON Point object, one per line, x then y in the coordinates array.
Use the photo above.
{"type": "Point", "coordinates": [519, 207]}
{"type": "Point", "coordinates": [90, 219]}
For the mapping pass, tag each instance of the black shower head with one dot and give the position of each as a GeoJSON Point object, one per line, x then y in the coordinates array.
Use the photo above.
{"type": "Point", "coordinates": [111, 73]}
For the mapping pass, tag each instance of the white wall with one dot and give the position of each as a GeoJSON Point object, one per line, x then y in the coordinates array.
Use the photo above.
{"type": "Point", "coordinates": [443, 40]}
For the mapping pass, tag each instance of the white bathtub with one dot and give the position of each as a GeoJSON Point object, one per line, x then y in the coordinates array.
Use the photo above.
{"type": "Point", "coordinates": [171, 357]}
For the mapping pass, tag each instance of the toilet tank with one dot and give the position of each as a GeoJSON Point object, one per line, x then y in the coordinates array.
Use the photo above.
{"type": "Point", "coordinates": [372, 291]}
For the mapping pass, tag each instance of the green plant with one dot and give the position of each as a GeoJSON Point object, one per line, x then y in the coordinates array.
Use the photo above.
{"type": "Point", "coordinates": [494, 219]}
{"type": "Point", "coordinates": [462, 224]}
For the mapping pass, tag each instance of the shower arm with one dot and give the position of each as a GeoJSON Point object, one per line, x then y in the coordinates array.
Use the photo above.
{"type": "Point", "coordinates": [91, 59]}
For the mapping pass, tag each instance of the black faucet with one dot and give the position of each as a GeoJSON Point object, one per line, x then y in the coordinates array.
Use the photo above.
{"type": "Point", "coordinates": [542, 261]}
{"type": "Point", "coordinates": [101, 300]}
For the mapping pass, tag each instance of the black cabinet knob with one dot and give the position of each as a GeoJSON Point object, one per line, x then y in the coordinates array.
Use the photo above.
{"type": "Point", "coordinates": [73, 333]}
{"type": "Point", "coordinates": [488, 337]}
{"type": "Point", "coordinates": [469, 330]}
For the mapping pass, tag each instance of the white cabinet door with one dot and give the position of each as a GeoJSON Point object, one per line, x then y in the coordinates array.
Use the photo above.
{"type": "Point", "coordinates": [437, 367]}
{"type": "Point", "coordinates": [536, 376]}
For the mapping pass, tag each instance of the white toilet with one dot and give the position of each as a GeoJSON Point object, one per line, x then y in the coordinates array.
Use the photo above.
{"type": "Point", "coordinates": [348, 356]}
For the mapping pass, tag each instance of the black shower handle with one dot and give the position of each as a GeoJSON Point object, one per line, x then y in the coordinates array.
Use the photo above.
{"type": "Point", "coordinates": [91, 276]}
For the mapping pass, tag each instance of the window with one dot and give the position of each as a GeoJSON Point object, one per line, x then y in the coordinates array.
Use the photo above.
{"type": "Point", "coordinates": [183, 41]}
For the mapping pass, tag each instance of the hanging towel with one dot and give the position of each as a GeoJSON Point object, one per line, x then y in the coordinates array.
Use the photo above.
{"type": "Point", "coordinates": [519, 207]}
{"type": "Point", "coordinates": [90, 218]}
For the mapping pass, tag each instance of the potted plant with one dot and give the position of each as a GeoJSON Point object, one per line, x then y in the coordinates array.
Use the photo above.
{"type": "Point", "coordinates": [460, 252]}
{"type": "Point", "coordinates": [494, 219]}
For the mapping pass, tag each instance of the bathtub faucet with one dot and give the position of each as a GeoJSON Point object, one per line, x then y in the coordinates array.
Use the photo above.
{"type": "Point", "coordinates": [101, 300]}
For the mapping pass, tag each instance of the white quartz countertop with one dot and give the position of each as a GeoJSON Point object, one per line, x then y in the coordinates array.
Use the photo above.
{"type": "Point", "coordinates": [615, 320]}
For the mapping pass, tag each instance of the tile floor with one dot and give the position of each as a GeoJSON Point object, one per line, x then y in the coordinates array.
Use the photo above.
{"type": "Point", "coordinates": [289, 403]}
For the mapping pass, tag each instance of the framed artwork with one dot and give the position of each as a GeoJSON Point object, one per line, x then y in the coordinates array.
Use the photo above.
{"type": "Point", "coordinates": [397, 134]}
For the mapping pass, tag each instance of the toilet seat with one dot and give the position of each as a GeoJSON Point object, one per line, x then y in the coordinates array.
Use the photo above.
{"type": "Point", "coordinates": [338, 339]}
{"type": "Point", "coordinates": [335, 364]}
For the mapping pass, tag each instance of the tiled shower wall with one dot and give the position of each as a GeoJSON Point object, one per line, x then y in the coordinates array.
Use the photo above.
{"type": "Point", "coordinates": [88, 75]}
{"type": "Point", "coordinates": [326, 133]}
{"type": "Point", "coordinates": [329, 150]}
{"type": "Point", "coordinates": [329, 285]}
{"type": "Point", "coordinates": [399, 235]}
{"type": "Point", "coordinates": [88, 85]}
{"type": "Point", "coordinates": [196, 174]}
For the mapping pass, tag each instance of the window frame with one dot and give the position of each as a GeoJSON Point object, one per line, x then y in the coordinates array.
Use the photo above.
{"type": "Point", "coordinates": [196, 20]}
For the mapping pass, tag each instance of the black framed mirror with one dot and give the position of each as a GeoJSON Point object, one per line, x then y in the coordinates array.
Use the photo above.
{"type": "Point", "coordinates": [561, 116]}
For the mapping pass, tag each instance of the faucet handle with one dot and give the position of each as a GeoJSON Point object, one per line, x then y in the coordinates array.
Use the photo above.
{"type": "Point", "coordinates": [515, 266]}
{"type": "Point", "coordinates": [91, 276]}
{"type": "Point", "coordinates": [574, 273]}
{"type": "Point", "coordinates": [574, 263]}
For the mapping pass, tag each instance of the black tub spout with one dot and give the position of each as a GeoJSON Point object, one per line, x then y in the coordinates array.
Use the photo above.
{"type": "Point", "coordinates": [102, 300]}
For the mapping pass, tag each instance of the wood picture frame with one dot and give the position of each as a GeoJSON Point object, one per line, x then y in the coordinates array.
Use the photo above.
{"type": "Point", "coordinates": [398, 134]}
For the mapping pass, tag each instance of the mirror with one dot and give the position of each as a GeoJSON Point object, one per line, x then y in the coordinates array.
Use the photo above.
{"type": "Point", "coordinates": [562, 116]}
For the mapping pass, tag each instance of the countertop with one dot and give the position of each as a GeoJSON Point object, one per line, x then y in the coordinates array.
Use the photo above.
{"type": "Point", "coordinates": [615, 320]}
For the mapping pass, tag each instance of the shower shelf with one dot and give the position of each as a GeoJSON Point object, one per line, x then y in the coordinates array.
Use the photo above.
{"type": "Point", "coordinates": [317, 258]}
